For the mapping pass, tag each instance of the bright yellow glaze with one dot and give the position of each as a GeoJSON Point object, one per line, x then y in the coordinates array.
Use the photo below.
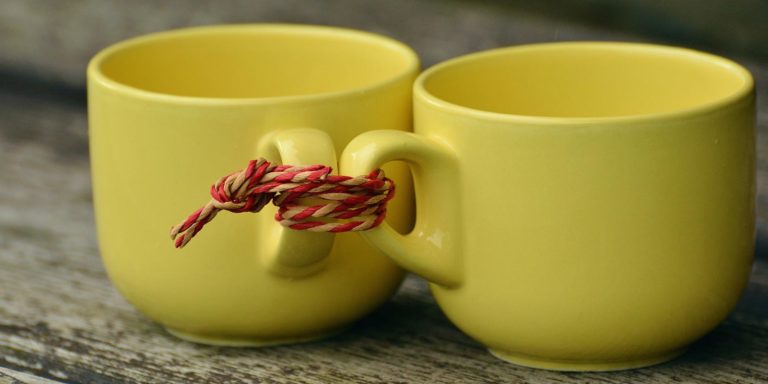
{"type": "Point", "coordinates": [172, 112]}
{"type": "Point", "coordinates": [580, 206]}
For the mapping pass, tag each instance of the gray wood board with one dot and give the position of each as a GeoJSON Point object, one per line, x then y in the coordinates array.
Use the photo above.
{"type": "Point", "coordinates": [61, 320]}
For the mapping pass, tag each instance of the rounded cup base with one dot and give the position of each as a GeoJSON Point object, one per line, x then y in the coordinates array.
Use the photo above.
{"type": "Point", "coordinates": [235, 341]}
{"type": "Point", "coordinates": [584, 365]}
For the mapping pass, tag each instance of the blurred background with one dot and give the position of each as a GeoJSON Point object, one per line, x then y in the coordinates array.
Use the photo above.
{"type": "Point", "coordinates": [51, 40]}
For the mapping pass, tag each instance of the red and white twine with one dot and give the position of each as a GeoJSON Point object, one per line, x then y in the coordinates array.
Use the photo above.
{"type": "Point", "coordinates": [351, 203]}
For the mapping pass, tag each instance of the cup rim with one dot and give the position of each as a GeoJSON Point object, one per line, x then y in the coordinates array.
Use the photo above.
{"type": "Point", "coordinates": [744, 91]}
{"type": "Point", "coordinates": [94, 72]}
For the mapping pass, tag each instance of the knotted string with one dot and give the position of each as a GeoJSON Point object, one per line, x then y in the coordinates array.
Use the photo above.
{"type": "Point", "coordinates": [351, 203]}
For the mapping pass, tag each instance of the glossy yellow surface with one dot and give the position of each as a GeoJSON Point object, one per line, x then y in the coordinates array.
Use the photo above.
{"type": "Point", "coordinates": [580, 206]}
{"type": "Point", "coordinates": [172, 112]}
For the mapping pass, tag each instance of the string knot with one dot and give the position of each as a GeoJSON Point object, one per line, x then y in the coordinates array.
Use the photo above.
{"type": "Point", "coordinates": [345, 203]}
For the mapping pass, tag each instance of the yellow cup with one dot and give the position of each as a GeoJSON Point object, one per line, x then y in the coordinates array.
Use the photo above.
{"type": "Point", "coordinates": [171, 112]}
{"type": "Point", "coordinates": [580, 206]}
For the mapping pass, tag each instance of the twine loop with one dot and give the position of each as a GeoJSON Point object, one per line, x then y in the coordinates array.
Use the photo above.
{"type": "Point", "coordinates": [343, 203]}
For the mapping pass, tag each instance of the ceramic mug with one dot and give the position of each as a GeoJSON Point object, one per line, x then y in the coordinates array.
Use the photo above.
{"type": "Point", "coordinates": [172, 112]}
{"type": "Point", "coordinates": [580, 206]}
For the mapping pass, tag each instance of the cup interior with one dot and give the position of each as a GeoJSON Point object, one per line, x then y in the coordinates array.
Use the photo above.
{"type": "Point", "coordinates": [255, 61]}
{"type": "Point", "coordinates": [590, 80]}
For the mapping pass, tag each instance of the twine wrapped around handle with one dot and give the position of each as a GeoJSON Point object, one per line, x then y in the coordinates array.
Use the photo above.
{"type": "Point", "coordinates": [351, 203]}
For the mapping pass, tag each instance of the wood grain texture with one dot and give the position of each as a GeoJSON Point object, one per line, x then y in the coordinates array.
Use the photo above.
{"type": "Point", "coordinates": [9, 376]}
{"type": "Point", "coordinates": [62, 321]}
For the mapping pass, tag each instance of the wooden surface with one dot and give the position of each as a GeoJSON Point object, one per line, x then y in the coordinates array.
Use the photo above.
{"type": "Point", "coordinates": [62, 321]}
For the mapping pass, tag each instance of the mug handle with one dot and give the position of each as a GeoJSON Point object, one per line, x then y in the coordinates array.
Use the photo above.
{"type": "Point", "coordinates": [286, 252]}
{"type": "Point", "coordinates": [433, 248]}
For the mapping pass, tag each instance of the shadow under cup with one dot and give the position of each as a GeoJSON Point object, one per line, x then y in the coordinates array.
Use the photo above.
{"type": "Point", "coordinates": [170, 113]}
{"type": "Point", "coordinates": [580, 206]}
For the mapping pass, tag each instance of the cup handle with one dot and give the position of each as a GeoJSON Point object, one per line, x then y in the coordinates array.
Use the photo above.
{"type": "Point", "coordinates": [286, 252]}
{"type": "Point", "coordinates": [433, 248]}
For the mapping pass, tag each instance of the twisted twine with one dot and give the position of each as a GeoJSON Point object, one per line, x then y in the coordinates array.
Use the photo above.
{"type": "Point", "coordinates": [352, 203]}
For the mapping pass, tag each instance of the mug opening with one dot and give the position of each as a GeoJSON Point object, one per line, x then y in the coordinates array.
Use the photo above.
{"type": "Point", "coordinates": [254, 62]}
{"type": "Point", "coordinates": [592, 80]}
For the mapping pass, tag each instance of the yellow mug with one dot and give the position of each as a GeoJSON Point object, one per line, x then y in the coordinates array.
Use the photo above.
{"type": "Point", "coordinates": [580, 206]}
{"type": "Point", "coordinates": [171, 112]}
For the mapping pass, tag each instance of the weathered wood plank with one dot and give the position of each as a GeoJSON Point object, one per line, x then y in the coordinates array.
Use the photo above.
{"type": "Point", "coordinates": [9, 376]}
{"type": "Point", "coordinates": [61, 319]}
